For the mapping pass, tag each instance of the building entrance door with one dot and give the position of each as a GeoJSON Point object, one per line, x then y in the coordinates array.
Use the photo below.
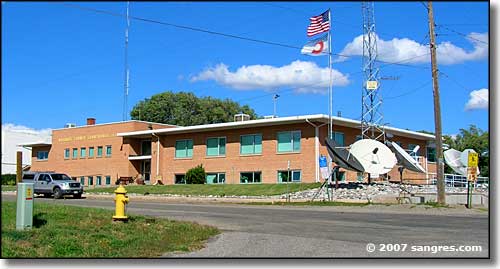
{"type": "Point", "coordinates": [146, 170]}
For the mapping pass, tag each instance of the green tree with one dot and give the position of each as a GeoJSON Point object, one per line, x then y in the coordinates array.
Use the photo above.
{"type": "Point", "coordinates": [185, 109]}
{"type": "Point", "coordinates": [196, 175]}
{"type": "Point", "coordinates": [472, 138]}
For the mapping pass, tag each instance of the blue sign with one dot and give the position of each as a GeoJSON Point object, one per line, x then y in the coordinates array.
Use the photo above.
{"type": "Point", "coordinates": [323, 162]}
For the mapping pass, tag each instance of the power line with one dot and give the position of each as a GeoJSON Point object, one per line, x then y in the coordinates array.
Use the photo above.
{"type": "Point", "coordinates": [410, 91]}
{"type": "Point", "coordinates": [224, 34]}
{"type": "Point", "coordinates": [457, 83]}
{"type": "Point", "coordinates": [462, 34]}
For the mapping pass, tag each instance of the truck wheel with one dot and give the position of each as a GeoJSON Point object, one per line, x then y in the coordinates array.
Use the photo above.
{"type": "Point", "coordinates": [57, 193]}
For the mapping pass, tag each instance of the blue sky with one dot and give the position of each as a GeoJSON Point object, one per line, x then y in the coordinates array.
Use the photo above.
{"type": "Point", "coordinates": [61, 64]}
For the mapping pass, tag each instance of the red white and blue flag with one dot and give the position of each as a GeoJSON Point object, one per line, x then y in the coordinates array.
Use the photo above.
{"type": "Point", "coordinates": [316, 47]}
{"type": "Point", "coordinates": [319, 24]}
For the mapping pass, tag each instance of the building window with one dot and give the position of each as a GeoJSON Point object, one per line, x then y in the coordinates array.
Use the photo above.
{"type": "Point", "coordinates": [42, 155]}
{"type": "Point", "coordinates": [339, 138]}
{"type": "Point", "coordinates": [99, 151]}
{"type": "Point", "coordinates": [289, 141]}
{"type": "Point", "coordinates": [108, 180]}
{"type": "Point", "coordinates": [283, 176]}
{"type": "Point", "coordinates": [83, 152]}
{"type": "Point", "coordinates": [82, 180]}
{"type": "Point", "coordinates": [108, 151]}
{"type": "Point", "coordinates": [216, 146]}
{"type": "Point", "coordinates": [251, 144]}
{"type": "Point", "coordinates": [66, 153]}
{"type": "Point", "coordinates": [90, 181]}
{"type": "Point", "coordinates": [216, 178]}
{"type": "Point", "coordinates": [180, 179]}
{"type": "Point", "coordinates": [146, 147]}
{"type": "Point", "coordinates": [91, 152]}
{"type": "Point", "coordinates": [250, 177]}
{"type": "Point", "coordinates": [184, 148]}
{"type": "Point", "coordinates": [98, 180]}
{"type": "Point", "coordinates": [75, 153]}
{"type": "Point", "coordinates": [358, 137]}
{"type": "Point", "coordinates": [431, 154]}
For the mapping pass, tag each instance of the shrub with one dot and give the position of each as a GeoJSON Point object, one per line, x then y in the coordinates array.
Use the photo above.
{"type": "Point", "coordinates": [9, 179]}
{"type": "Point", "coordinates": [196, 175]}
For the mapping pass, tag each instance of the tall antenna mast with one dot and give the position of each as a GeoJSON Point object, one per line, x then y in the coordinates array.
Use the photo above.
{"type": "Point", "coordinates": [127, 71]}
{"type": "Point", "coordinates": [371, 112]}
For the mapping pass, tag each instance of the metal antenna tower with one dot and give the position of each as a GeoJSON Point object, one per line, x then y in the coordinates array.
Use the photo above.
{"type": "Point", "coordinates": [371, 112]}
{"type": "Point", "coordinates": [127, 72]}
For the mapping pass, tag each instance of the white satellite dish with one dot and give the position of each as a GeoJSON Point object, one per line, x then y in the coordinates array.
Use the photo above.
{"type": "Point", "coordinates": [458, 160]}
{"type": "Point", "coordinates": [375, 157]}
{"type": "Point", "coordinates": [452, 159]}
{"type": "Point", "coordinates": [464, 156]}
{"type": "Point", "coordinates": [405, 160]}
{"type": "Point", "coordinates": [415, 149]}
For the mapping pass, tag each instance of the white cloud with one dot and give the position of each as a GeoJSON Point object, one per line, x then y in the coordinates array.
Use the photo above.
{"type": "Point", "coordinates": [42, 133]}
{"type": "Point", "coordinates": [306, 77]}
{"type": "Point", "coordinates": [478, 100]}
{"type": "Point", "coordinates": [13, 135]}
{"type": "Point", "coordinates": [401, 49]}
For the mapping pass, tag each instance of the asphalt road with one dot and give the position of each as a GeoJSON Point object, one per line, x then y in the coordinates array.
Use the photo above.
{"type": "Point", "coordinates": [278, 231]}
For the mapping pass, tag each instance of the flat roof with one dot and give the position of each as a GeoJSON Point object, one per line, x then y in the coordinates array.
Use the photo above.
{"type": "Point", "coordinates": [116, 122]}
{"type": "Point", "coordinates": [272, 121]}
{"type": "Point", "coordinates": [35, 144]}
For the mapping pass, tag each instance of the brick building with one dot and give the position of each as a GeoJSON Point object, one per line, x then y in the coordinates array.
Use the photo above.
{"type": "Point", "coordinates": [240, 152]}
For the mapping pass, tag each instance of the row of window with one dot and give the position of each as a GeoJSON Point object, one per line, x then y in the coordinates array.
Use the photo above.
{"type": "Point", "coordinates": [249, 144]}
{"type": "Point", "coordinates": [90, 180]}
{"type": "Point", "coordinates": [246, 177]}
{"type": "Point", "coordinates": [83, 152]}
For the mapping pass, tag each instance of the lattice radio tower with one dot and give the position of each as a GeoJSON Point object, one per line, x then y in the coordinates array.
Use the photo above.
{"type": "Point", "coordinates": [371, 112]}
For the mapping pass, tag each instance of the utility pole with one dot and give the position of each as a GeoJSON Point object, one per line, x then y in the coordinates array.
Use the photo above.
{"type": "Point", "coordinates": [441, 198]}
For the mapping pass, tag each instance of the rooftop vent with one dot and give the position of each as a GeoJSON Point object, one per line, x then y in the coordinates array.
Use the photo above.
{"type": "Point", "coordinates": [69, 125]}
{"type": "Point", "coordinates": [241, 117]}
{"type": "Point", "coordinates": [270, 117]}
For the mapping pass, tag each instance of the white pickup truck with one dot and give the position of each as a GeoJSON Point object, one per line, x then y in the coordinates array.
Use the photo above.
{"type": "Point", "coordinates": [50, 183]}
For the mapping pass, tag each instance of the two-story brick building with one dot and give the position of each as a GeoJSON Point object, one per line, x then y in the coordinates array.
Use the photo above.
{"type": "Point", "coordinates": [240, 152]}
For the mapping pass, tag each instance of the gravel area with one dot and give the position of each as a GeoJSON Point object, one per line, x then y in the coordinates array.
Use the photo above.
{"type": "Point", "coordinates": [358, 191]}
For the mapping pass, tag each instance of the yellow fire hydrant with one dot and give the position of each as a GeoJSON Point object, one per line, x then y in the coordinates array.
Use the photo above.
{"type": "Point", "coordinates": [120, 200]}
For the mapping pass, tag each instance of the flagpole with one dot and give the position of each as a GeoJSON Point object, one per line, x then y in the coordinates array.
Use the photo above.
{"type": "Point", "coordinates": [330, 101]}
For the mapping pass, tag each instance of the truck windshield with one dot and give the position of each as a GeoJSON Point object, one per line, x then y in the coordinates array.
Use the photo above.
{"type": "Point", "coordinates": [60, 177]}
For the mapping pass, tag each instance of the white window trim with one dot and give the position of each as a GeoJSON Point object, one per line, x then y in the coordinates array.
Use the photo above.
{"type": "Point", "coordinates": [218, 146]}
{"type": "Point", "coordinates": [261, 144]}
{"type": "Point", "coordinates": [175, 150]}
{"type": "Point", "coordinates": [291, 172]}
{"type": "Point", "coordinates": [253, 177]}
{"type": "Point", "coordinates": [291, 136]}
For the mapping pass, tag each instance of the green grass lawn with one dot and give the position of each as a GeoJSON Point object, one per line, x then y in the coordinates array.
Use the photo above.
{"type": "Point", "coordinates": [8, 188]}
{"type": "Point", "coordinates": [218, 190]}
{"type": "Point", "coordinates": [68, 231]}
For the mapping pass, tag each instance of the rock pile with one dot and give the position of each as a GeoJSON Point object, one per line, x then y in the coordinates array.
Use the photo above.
{"type": "Point", "coordinates": [358, 191]}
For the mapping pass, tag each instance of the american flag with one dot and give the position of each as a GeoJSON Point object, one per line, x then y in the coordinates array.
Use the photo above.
{"type": "Point", "coordinates": [319, 24]}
